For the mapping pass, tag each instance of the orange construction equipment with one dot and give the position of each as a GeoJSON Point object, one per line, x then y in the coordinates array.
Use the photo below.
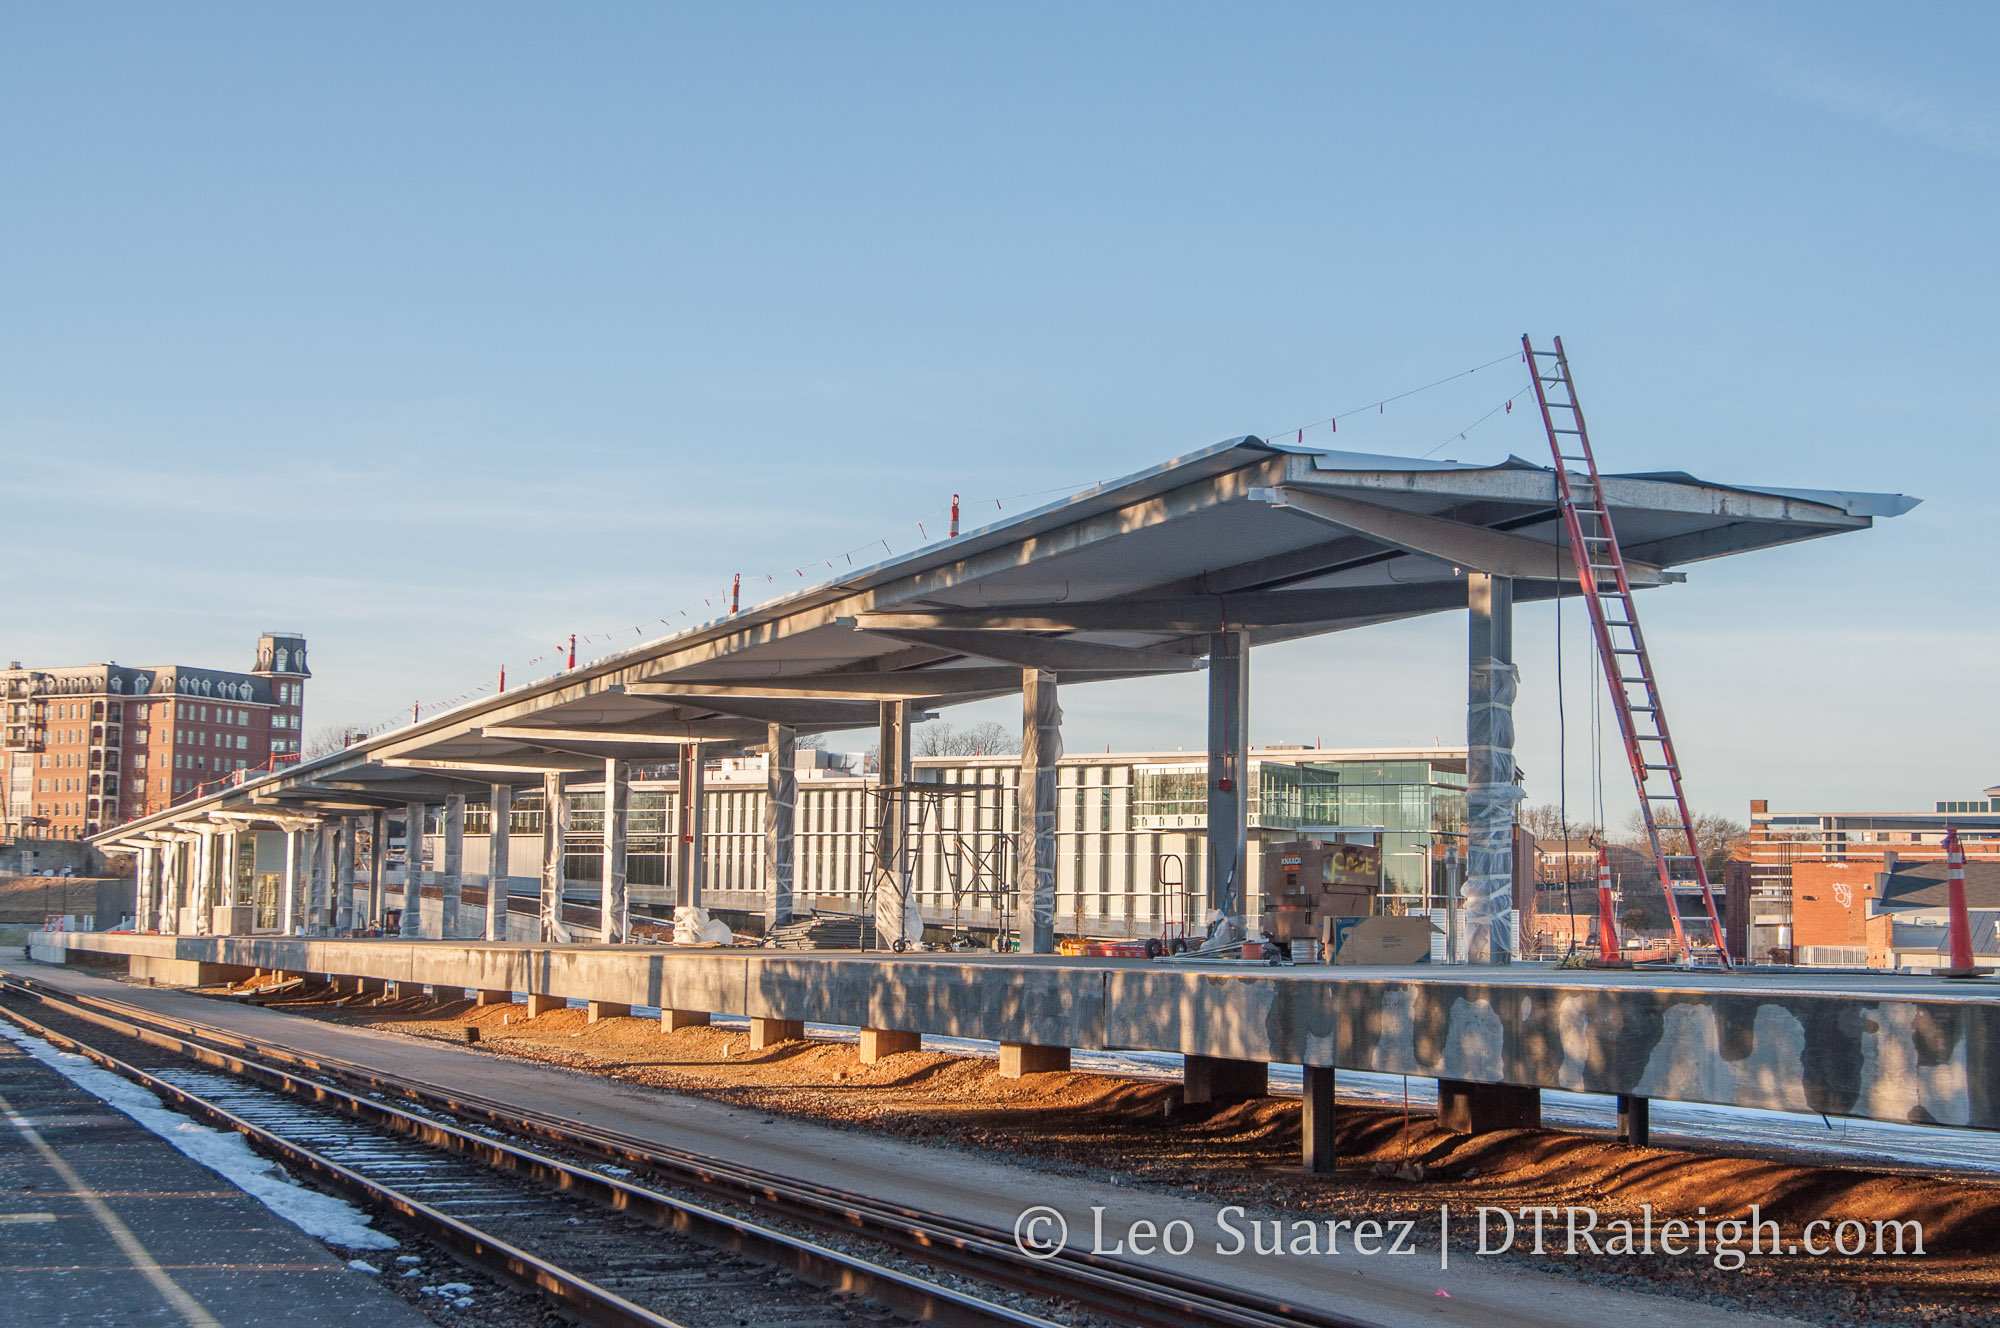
{"type": "Point", "coordinates": [1958, 929]}
{"type": "Point", "coordinates": [1607, 925]}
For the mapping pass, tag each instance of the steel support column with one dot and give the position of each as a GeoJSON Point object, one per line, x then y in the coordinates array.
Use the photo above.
{"type": "Point", "coordinates": [454, 866]}
{"type": "Point", "coordinates": [378, 859]}
{"type": "Point", "coordinates": [324, 880]}
{"type": "Point", "coordinates": [500, 805]}
{"type": "Point", "coordinates": [203, 893]}
{"type": "Point", "coordinates": [1490, 788]}
{"type": "Point", "coordinates": [1041, 748]}
{"type": "Point", "coordinates": [343, 917]}
{"type": "Point", "coordinates": [613, 904]}
{"type": "Point", "coordinates": [555, 844]}
{"type": "Point", "coordinates": [288, 886]}
{"type": "Point", "coordinates": [142, 892]}
{"type": "Point", "coordinates": [171, 887]}
{"type": "Point", "coordinates": [688, 839]}
{"type": "Point", "coordinates": [781, 800]}
{"type": "Point", "coordinates": [898, 920]}
{"type": "Point", "coordinates": [413, 870]}
{"type": "Point", "coordinates": [1228, 772]}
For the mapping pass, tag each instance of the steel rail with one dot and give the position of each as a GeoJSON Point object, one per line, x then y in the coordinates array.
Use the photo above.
{"type": "Point", "coordinates": [1144, 1297]}
{"type": "Point", "coordinates": [833, 1269]}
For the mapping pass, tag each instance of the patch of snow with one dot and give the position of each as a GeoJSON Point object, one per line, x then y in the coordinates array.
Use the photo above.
{"type": "Point", "coordinates": [321, 1216]}
{"type": "Point", "coordinates": [362, 1266]}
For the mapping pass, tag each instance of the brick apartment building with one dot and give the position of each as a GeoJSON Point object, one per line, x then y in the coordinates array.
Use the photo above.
{"type": "Point", "coordinates": [90, 746]}
{"type": "Point", "coordinates": [1833, 887]}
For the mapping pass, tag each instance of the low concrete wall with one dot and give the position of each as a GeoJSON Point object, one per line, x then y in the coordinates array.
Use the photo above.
{"type": "Point", "coordinates": [1904, 1050]}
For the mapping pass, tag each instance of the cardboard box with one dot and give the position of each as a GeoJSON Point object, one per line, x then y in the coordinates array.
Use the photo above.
{"type": "Point", "coordinates": [1354, 940]}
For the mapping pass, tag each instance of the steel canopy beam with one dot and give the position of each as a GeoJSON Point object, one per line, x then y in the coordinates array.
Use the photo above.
{"type": "Point", "coordinates": [1053, 653]}
{"type": "Point", "coordinates": [1455, 542]}
{"type": "Point", "coordinates": [764, 710]}
{"type": "Point", "coordinates": [1190, 613]}
{"type": "Point", "coordinates": [839, 686]}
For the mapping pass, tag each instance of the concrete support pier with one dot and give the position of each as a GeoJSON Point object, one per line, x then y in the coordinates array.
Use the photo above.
{"type": "Point", "coordinates": [1474, 1108]}
{"type": "Point", "coordinates": [879, 1042]}
{"type": "Point", "coordinates": [500, 816]}
{"type": "Point", "coordinates": [1228, 767]}
{"type": "Point", "coordinates": [596, 1010]}
{"type": "Point", "coordinates": [1024, 1058]}
{"type": "Point", "coordinates": [770, 1032]}
{"type": "Point", "coordinates": [1041, 748]}
{"type": "Point", "coordinates": [1219, 1079]}
{"type": "Point", "coordinates": [539, 1004]}
{"type": "Point", "coordinates": [672, 1021]}
{"type": "Point", "coordinates": [1316, 1139]}
{"type": "Point", "coordinates": [484, 996]}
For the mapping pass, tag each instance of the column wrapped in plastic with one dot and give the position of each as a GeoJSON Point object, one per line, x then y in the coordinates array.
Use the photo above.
{"type": "Point", "coordinates": [1490, 795]}
{"type": "Point", "coordinates": [555, 846]}
{"type": "Point", "coordinates": [780, 818]}
{"type": "Point", "coordinates": [1041, 749]}
{"type": "Point", "coordinates": [413, 871]}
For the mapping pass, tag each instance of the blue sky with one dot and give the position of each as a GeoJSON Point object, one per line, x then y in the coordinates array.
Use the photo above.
{"type": "Point", "coordinates": [439, 332]}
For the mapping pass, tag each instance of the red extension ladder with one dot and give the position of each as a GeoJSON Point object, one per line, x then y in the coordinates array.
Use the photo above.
{"type": "Point", "coordinates": [1628, 669]}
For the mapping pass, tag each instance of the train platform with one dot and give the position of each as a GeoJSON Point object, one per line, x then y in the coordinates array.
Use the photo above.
{"type": "Point", "coordinates": [102, 1223]}
{"type": "Point", "coordinates": [1392, 1292]}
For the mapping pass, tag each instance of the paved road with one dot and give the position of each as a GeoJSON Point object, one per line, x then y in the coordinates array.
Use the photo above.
{"type": "Point", "coordinates": [1391, 1290]}
{"type": "Point", "coordinates": [102, 1223]}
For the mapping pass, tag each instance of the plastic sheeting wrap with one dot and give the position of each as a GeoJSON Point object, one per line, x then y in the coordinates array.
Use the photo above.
{"type": "Point", "coordinates": [1041, 749]}
{"type": "Point", "coordinates": [694, 926]}
{"type": "Point", "coordinates": [1490, 795]}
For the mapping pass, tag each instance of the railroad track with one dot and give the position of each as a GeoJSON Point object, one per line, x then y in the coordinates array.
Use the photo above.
{"type": "Point", "coordinates": [567, 1161]}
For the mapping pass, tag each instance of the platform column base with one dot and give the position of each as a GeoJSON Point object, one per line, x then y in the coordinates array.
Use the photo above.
{"type": "Point", "coordinates": [672, 1021]}
{"type": "Point", "coordinates": [879, 1042]}
{"type": "Point", "coordinates": [494, 998]}
{"type": "Point", "coordinates": [540, 1005]}
{"type": "Point", "coordinates": [1465, 1107]}
{"type": "Point", "coordinates": [770, 1032]}
{"type": "Point", "coordinates": [1316, 1121]}
{"type": "Point", "coordinates": [1635, 1125]}
{"type": "Point", "coordinates": [1024, 1058]}
{"type": "Point", "coordinates": [597, 1010]}
{"type": "Point", "coordinates": [406, 991]}
{"type": "Point", "coordinates": [1220, 1079]}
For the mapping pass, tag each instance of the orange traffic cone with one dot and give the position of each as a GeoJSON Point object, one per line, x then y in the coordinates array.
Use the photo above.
{"type": "Point", "coordinates": [1959, 925]}
{"type": "Point", "coordinates": [1607, 926]}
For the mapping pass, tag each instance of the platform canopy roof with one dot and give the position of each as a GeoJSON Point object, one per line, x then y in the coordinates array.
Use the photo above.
{"type": "Point", "coordinates": [1128, 578]}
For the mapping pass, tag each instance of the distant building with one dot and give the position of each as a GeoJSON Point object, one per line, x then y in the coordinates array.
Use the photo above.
{"type": "Point", "coordinates": [1816, 878]}
{"type": "Point", "coordinates": [86, 747]}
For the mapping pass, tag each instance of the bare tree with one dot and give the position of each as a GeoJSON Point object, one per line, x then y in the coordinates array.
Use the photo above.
{"type": "Point", "coordinates": [939, 738]}
{"type": "Point", "coordinates": [1545, 821]}
{"type": "Point", "coordinates": [327, 738]}
{"type": "Point", "coordinates": [1715, 837]}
